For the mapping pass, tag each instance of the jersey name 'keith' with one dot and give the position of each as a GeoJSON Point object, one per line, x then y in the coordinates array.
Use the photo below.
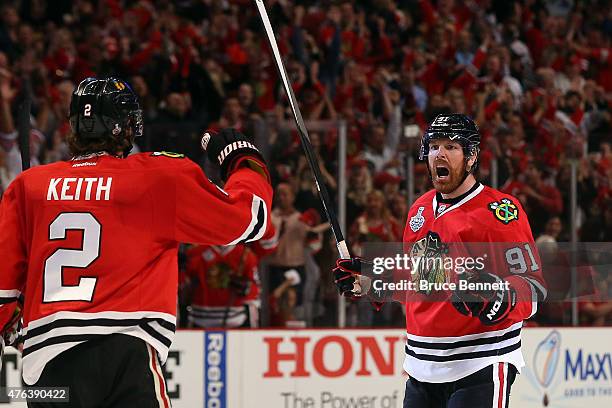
{"type": "Point", "coordinates": [79, 188]}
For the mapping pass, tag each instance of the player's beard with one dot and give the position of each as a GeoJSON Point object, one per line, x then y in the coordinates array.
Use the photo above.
{"type": "Point", "coordinates": [447, 183]}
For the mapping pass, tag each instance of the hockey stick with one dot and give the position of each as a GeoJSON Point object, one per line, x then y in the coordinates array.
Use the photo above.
{"type": "Point", "coordinates": [297, 115]}
{"type": "Point", "coordinates": [24, 124]}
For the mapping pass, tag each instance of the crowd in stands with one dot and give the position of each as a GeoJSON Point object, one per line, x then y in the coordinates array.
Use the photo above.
{"type": "Point", "coordinates": [536, 76]}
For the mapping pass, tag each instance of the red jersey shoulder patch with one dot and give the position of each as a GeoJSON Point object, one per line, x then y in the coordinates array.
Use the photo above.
{"type": "Point", "coordinates": [504, 210]}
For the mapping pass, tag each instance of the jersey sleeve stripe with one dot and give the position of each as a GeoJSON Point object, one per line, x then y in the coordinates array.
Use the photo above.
{"type": "Point", "coordinates": [541, 290]}
{"type": "Point", "coordinates": [8, 296]}
{"type": "Point", "coordinates": [257, 226]}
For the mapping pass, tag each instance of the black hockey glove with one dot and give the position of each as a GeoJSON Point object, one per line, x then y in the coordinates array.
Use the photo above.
{"type": "Point", "coordinates": [490, 306]}
{"type": "Point", "coordinates": [228, 148]}
{"type": "Point", "coordinates": [240, 285]}
{"type": "Point", "coordinates": [356, 270]}
{"type": "Point", "coordinates": [346, 273]}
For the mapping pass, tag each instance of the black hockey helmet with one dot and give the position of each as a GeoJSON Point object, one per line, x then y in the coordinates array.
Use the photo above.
{"type": "Point", "coordinates": [456, 127]}
{"type": "Point", "coordinates": [104, 107]}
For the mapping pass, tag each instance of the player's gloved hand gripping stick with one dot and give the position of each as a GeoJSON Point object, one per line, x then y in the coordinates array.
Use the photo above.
{"type": "Point", "coordinates": [357, 270]}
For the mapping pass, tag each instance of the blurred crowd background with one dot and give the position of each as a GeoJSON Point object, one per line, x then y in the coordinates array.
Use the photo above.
{"type": "Point", "coordinates": [536, 76]}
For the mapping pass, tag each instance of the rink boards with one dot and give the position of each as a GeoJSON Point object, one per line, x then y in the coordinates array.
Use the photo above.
{"type": "Point", "coordinates": [332, 368]}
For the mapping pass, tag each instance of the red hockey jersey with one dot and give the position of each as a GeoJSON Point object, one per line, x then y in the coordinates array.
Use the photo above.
{"type": "Point", "coordinates": [90, 245]}
{"type": "Point", "coordinates": [442, 344]}
{"type": "Point", "coordinates": [215, 302]}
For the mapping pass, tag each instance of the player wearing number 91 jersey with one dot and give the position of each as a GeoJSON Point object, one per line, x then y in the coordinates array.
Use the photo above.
{"type": "Point", "coordinates": [480, 345]}
{"type": "Point", "coordinates": [90, 245]}
{"type": "Point", "coordinates": [463, 341]}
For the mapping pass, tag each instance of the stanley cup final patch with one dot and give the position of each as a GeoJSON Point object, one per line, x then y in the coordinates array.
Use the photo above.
{"type": "Point", "coordinates": [504, 210]}
{"type": "Point", "coordinates": [417, 221]}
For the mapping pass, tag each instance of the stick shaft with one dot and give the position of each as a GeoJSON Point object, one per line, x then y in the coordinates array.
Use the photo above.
{"type": "Point", "coordinates": [303, 132]}
{"type": "Point", "coordinates": [23, 124]}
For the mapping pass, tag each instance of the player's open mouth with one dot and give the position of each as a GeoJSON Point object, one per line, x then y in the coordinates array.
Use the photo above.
{"type": "Point", "coordinates": [442, 172]}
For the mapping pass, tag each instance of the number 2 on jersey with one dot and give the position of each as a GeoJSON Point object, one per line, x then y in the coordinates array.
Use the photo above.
{"type": "Point", "coordinates": [54, 288]}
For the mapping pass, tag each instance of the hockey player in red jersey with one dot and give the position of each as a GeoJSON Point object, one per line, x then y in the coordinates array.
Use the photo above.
{"type": "Point", "coordinates": [225, 284]}
{"type": "Point", "coordinates": [89, 247]}
{"type": "Point", "coordinates": [463, 345]}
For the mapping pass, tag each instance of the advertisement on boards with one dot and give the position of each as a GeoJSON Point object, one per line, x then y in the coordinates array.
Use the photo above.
{"type": "Point", "coordinates": [566, 367]}
{"type": "Point", "coordinates": [317, 368]}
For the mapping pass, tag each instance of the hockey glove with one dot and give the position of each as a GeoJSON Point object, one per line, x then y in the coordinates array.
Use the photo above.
{"type": "Point", "coordinates": [11, 333]}
{"type": "Point", "coordinates": [490, 306]}
{"type": "Point", "coordinates": [240, 285]}
{"type": "Point", "coordinates": [353, 278]}
{"type": "Point", "coordinates": [230, 149]}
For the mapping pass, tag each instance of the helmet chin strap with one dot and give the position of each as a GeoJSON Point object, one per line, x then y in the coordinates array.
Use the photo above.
{"type": "Point", "coordinates": [466, 173]}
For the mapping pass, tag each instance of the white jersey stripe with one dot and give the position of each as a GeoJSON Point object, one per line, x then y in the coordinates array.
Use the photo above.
{"type": "Point", "coordinates": [468, 349]}
{"type": "Point", "coordinates": [537, 285]}
{"type": "Point", "coordinates": [460, 203]}
{"type": "Point", "coordinates": [256, 227]}
{"type": "Point", "coordinates": [474, 336]}
{"type": "Point", "coordinates": [13, 293]}
{"type": "Point", "coordinates": [99, 315]}
{"type": "Point", "coordinates": [47, 337]}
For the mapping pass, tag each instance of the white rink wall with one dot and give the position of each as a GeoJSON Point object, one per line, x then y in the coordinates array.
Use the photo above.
{"type": "Point", "coordinates": [329, 368]}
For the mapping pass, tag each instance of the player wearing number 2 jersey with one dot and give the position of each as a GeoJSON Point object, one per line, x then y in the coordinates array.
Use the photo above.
{"type": "Point", "coordinates": [89, 247]}
{"type": "Point", "coordinates": [463, 344]}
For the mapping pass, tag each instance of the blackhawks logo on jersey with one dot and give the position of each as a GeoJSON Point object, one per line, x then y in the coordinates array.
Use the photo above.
{"type": "Point", "coordinates": [504, 210]}
{"type": "Point", "coordinates": [430, 253]}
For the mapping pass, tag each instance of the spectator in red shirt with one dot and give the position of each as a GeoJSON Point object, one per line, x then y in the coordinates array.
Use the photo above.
{"type": "Point", "coordinates": [543, 200]}
{"type": "Point", "coordinates": [376, 224]}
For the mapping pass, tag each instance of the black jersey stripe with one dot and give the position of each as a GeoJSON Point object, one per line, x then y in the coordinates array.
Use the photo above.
{"type": "Point", "coordinates": [103, 321]}
{"type": "Point", "coordinates": [260, 222]}
{"type": "Point", "coordinates": [66, 338]}
{"type": "Point", "coordinates": [465, 343]}
{"type": "Point", "coordinates": [156, 335]}
{"type": "Point", "coordinates": [82, 337]}
{"type": "Point", "coordinates": [464, 356]}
